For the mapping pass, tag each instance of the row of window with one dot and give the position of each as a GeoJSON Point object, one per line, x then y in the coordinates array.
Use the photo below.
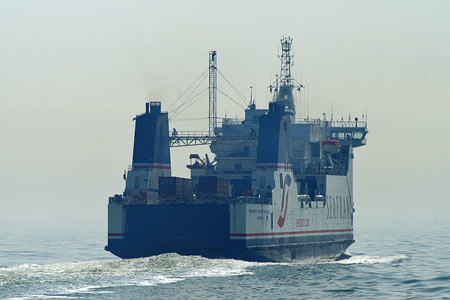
{"type": "Point", "coordinates": [356, 135]}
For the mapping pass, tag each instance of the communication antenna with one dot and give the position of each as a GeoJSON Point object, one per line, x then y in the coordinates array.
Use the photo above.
{"type": "Point", "coordinates": [275, 94]}
{"type": "Point", "coordinates": [366, 114]}
{"type": "Point", "coordinates": [287, 60]}
{"type": "Point", "coordinates": [307, 104]}
{"type": "Point", "coordinates": [212, 92]}
{"type": "Point", "coordinates": [332, 110]}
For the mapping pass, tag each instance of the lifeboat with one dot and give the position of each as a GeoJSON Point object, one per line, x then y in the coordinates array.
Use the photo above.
{"type": "Point", "coordinates": [330, 146]}
{"type": "Point", "coordinates": [319, 197]}
{"type": "Point", "coordinates": [198, 162]}
{"type": "Point", "coordinates": [304, 197]}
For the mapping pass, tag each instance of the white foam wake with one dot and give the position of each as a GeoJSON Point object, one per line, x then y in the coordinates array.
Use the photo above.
{"type": "Point", "coordinates": [366, 259]}
{"type": "Point", "coordinates": [98, 277]}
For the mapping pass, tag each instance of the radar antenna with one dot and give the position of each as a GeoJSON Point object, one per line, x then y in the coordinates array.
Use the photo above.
{"type": "Point", "coordinates": [284, 85]}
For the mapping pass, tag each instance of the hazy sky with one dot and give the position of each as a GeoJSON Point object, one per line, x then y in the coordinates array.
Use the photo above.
{"type": "Point", "coordinates": [73, 74]}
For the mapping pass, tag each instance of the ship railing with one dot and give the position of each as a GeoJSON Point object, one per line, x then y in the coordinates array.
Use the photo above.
{"type": "Point", "coordinates": [140, 167]}
{"type": "Point", "coordinates": [195, 201]}
{"type": "Point", "coordinates": [231, 121]}
{"type": "Point", "coordinates": [189, 138]}
{"type": "Point", "coordinates": [352, 124]}
{"type": "Point", "coordinates": [333, 123]}
{"type": "Point", "coordinates": [129, 200]}
{"type": "Point", "coordinates": [189, 133]}
{"type": "Point", "coordinates": [252, 200]}
{"type": "Point", "coordinates": [318, 121]}
{"type": "Point", "coordinates": [116, 199]}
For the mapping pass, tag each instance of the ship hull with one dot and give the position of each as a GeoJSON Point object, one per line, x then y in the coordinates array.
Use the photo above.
{"type": "Point", "coordinates": [204, 229]}
{"type": "Point", "coordinates": [187, 229]}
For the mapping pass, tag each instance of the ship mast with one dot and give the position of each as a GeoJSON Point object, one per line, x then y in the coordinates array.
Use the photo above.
{"type": "Point", "coordinates": [212, 92]}
{"type": "Point", "coordinates": [284, 84]}
{"type": "Point", "coordinates": [286, 61]}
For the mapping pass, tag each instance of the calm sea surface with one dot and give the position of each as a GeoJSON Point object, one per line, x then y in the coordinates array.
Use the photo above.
{"type": "Point", "coordinates": [390, 260]}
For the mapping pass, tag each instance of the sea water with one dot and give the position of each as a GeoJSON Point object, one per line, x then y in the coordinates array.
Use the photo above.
{"type": "Point", "coordinates": [390, 260]}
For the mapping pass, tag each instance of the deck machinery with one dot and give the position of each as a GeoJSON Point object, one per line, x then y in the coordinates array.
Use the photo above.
{"type": "Point", "coordinates": [286, 185]}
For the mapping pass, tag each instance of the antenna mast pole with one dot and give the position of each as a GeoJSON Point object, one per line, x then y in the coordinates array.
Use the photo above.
{"type": "Point", "coordinates": [286, 61]}
{"type": "Point", "coordinates": [212, 92]}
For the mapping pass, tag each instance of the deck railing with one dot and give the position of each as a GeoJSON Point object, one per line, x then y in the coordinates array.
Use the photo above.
{"type": "Point", "coordinates": [252, 200]}
{"type": "Point", "coordinates": [334, 123]}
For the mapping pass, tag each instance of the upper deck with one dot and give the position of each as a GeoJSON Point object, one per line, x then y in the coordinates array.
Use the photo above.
{"type": "Point", "coordinates": [346, 132]}
{"type": "Point", "coordinates": [235, 130]}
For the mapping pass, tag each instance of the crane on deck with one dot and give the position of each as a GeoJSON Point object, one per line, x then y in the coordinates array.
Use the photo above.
{"type": "Point", "coordinates": [196, 138]}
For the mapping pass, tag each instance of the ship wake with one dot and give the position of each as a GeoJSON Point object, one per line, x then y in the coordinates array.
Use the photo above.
{"type": "Point", "coordinates": [102, 277]}
{"type": "Point", "coordinates": [348, 259]}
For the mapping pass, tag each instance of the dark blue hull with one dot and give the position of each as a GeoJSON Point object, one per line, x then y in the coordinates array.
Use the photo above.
{"type": "Point", "coordinates": [204, 229]}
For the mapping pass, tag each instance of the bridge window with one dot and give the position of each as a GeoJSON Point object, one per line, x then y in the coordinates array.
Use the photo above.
{"type": "Point", "coordinates": [357, 135]}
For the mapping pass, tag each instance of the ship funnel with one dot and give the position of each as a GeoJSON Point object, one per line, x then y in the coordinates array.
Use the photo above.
{"type": "Point", "coordinates": [274, 139]}
{"type": "Point", "coordinates": [155, 107]}
{"type": "Point", "coordinates": [151, 154]}
{"type": "Point", "coordinates": [151, 137]}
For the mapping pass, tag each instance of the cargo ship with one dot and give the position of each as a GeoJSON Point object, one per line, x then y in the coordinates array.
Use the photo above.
{"type": "Point", "coordinates": [279, 188]}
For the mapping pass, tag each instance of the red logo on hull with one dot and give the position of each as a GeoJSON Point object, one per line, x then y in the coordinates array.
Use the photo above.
{"type": "Point", "coordinates": [284, 203]}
